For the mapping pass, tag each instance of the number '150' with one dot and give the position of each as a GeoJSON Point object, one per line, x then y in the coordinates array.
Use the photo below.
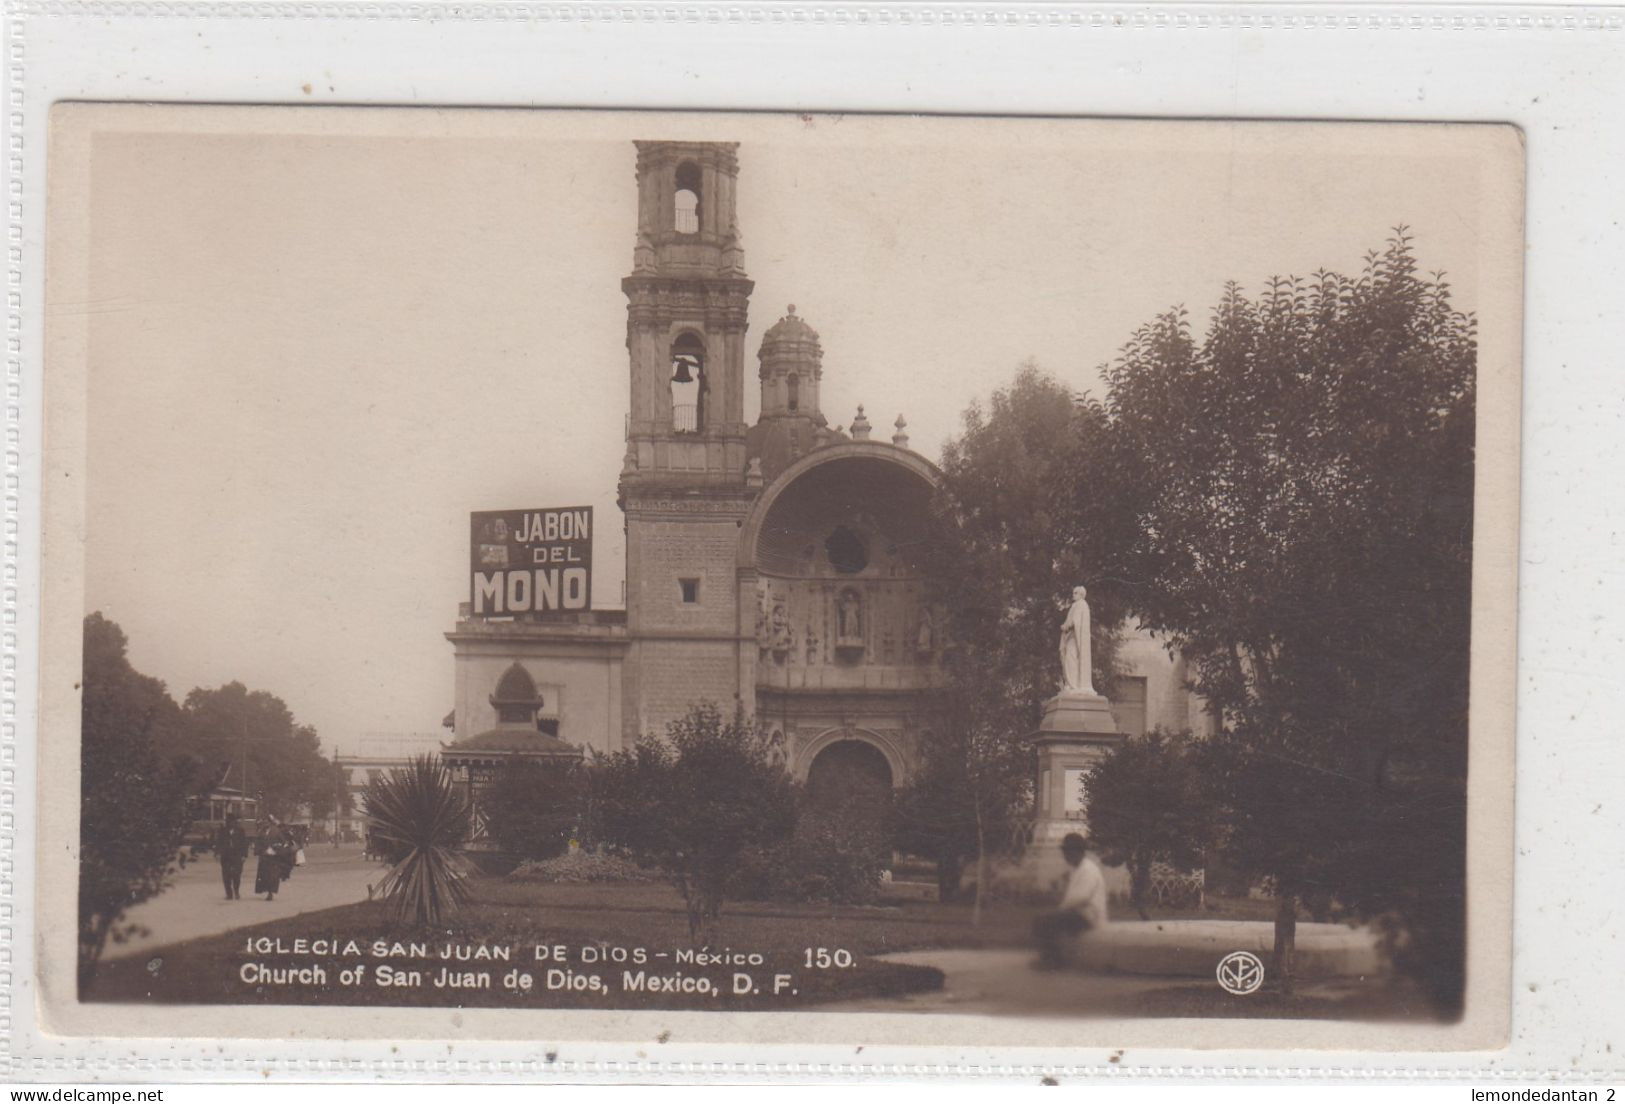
{"type": "Point", "coordinates": [822, 958]}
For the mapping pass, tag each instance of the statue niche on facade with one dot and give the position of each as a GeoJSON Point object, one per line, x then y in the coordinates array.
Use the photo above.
{"type": "Point", "coordinates": [849, 616]}
{"type": "Point", "coordinates": [925, 638]}
{"type": "Point", "coordinates": [783, 637]}
{"type": "Point", "coordinates": [1077, 674]}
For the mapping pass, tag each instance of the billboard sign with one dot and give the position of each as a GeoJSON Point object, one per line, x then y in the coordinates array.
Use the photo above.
{"type": "Point", "coordinates": [530, 561]}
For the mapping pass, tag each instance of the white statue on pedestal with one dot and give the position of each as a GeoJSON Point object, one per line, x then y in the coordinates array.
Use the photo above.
{"type": "Point", "coordinates": [1077, 674]}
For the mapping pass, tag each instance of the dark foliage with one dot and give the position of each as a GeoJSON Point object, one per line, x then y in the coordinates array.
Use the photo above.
{"type": "Point", "coordinates": [1149, 801]}
{"type": "Point", "coordinates": [226, 729]}
{"type": "Point", "coordinates": [1301, 482]}
{"type": "Point", "coordinates": [840, 844]}
{"type": "Point", "coordinates": [132, 809]}
{"type": "Point", "coordinates": [535, 809]}
{"type": "Point", "coordinates": [693, 802]}
{"type": "Point", "coordinates": [936, 812]}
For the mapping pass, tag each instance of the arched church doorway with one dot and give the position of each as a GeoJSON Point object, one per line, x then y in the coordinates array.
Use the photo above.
{"type": "Point", "coordinates": [852, 777]}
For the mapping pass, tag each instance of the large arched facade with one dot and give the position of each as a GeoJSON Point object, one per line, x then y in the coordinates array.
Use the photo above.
{"type": "Point", "coordinates": [833, 591]}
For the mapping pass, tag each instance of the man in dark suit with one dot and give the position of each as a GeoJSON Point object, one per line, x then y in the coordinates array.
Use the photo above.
{"type": "Point", "coordinates": [231, 845]}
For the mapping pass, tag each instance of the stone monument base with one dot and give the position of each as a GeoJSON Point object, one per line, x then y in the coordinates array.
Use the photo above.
{"type": "Point", "coordinates": [1076, 732]}
{"type": "Point", "coordinates": [1079, 713]}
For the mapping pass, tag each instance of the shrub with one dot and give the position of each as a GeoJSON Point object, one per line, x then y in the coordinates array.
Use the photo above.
{"type": "Point", "coordinates": [584, 867]}
{"type": "Point", "coordinates": [535, 809]}
{"type": "Point", "coordinates": [1149, 803]}
{"type": "Point", "coordinates": [693, 802]}
{"type": "Point", "coordinates": [417, 818]}
{"type": "Point", "coordinates": [832, 856]}
{"type": "Point", "coordinates": [836, 853]}
{"type": "Point", "coordinates": [757, 874]}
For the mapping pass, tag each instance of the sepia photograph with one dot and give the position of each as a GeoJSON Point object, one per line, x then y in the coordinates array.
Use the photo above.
{"type": "Point", "coordinates": [961, 570]}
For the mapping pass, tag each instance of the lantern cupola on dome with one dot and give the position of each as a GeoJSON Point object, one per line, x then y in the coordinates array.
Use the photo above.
{"type": "Point", "coordinates": [791, 366]}
{"type": "Point", "coordinates": [791, 423]}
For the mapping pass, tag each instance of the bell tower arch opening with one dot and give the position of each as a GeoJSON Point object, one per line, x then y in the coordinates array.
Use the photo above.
{"type": "Point", "coordinates": [686, 199]}
{"type": "Point", "coordinates": [687, 382]}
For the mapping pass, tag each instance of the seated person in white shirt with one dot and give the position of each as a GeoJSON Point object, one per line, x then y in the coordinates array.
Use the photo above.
{"type": "Point", "coordinates": [1083, 903]}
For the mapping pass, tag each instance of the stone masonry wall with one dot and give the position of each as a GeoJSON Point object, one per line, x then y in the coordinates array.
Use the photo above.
{"type": "Point", "coordinates": [674, 675]}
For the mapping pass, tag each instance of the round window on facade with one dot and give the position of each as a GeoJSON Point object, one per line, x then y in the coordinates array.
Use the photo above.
{"type": "Point", "coordinates": [846, 551]}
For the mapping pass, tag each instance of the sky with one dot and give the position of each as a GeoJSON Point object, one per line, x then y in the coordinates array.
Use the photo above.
{"type": "Point", "coordinates": [318, 339]}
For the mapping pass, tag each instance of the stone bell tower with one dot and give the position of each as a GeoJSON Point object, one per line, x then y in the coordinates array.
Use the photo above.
{"type": "Point", "coordinates": [683, 481]}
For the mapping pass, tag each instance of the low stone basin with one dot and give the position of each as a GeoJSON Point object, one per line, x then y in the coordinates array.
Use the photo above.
{"type": "Point", "coordinates": [1193, 948]}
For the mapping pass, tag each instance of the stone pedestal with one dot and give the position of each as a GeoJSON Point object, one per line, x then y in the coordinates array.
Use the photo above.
{"type": "Point", "coordinates": [1076, 732]}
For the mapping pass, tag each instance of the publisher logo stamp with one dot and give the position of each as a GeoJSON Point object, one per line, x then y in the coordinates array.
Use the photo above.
{"type": "Point", "coordinates": [1240, 973]}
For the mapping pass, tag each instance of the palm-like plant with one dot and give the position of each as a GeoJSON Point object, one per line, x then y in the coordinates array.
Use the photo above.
{"type": "Point", "coordinates": [417, 816]}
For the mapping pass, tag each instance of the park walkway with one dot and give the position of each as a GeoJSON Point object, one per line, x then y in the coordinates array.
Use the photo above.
{"type": "Point", "coordinates": [195, 903]}
{"type": "Point", "coordinates": [1003, 982]}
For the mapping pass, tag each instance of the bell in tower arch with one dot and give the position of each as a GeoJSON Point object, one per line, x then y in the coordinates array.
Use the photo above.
{"type": "Point", "coordinates": [687, 383]}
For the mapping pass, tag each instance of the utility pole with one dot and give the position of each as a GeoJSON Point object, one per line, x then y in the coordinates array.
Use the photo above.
{"type": "Point", "coordinates": [242, 777]}
{"type": "Point", "coordinates": [341, 780]}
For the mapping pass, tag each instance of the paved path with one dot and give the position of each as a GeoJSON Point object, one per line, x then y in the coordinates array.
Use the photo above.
{"type": "Point", "coordinates": [195, 903]}
{"type": "Point", "coordinates": [1003, 982]}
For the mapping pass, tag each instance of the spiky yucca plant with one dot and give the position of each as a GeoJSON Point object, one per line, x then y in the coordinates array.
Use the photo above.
{"type": "Point", "coordinates": [418, 819]}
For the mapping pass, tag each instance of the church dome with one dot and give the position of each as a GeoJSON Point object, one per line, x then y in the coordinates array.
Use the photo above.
{"type": "Point", "coordinates": [789, 330]}
{"type": "Point", "coordinates": [791, 423]}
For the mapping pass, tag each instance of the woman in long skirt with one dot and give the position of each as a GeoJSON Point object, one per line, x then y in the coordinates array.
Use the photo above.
{"type": "Point", "coordinates": [275, 854]}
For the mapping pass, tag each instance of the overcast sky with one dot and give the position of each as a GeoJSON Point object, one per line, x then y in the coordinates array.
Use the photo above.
{"type": "Point", "coordinates": [319, 340]}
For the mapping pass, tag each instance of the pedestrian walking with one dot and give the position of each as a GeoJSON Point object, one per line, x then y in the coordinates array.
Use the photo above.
{"type": "Point", "coordinates": [276, 848]}
{"type": "Point", "coordinates": [231, 847]}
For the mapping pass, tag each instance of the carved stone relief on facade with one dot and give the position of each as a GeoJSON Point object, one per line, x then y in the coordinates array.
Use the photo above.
{"type": "Point", "coordinates": [783, 636]}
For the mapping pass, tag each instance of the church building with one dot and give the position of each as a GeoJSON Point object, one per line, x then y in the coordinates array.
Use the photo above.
{"type": "Point", "coordinates": [776, 564]}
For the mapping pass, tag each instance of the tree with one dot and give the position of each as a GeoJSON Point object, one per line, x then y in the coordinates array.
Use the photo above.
{"type": "Point", "coordinates": [934, 818]}
{"type": "Point", "coordinates": [1014, 530]}
{"type": "Point", "coordinates": [1300, 482]}
{"type": "Point", "coordinates": [969, 792]}
{"type": "Point", "coordinates": [1149, 802]}
{"type": "Point", "coordinates": [417, 818]}
{"type": "Point", "coordinates": [132, 809]}
{"type": "Point", "coordinates": [1003, 564]}
{"type": "Point", "coordinates": [535, 809]}
{"type": "Point", "coordinates": [693, 802]}
{"type": "Point", "coordinates": [232, 727]}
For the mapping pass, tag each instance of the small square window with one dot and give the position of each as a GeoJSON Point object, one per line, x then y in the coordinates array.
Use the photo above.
{"type": "Point", "coordinates": [691, 590]}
